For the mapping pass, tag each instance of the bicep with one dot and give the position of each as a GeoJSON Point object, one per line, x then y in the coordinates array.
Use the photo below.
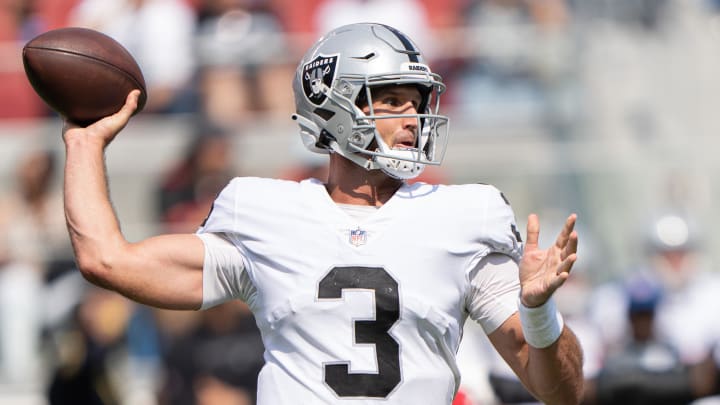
{"type": "Point", "coordinates": [164, 271]}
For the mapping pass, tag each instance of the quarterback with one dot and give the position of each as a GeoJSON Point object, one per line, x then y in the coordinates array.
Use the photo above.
{"type": "Point", "coordinates": [361, 284]}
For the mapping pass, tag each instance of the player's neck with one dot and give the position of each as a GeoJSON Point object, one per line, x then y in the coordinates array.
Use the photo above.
{"type": "Point", "coordinates": [349, 183]}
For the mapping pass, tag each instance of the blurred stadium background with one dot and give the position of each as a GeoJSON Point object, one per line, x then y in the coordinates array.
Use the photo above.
{"type": "Point", "coordinates": [607, 108]}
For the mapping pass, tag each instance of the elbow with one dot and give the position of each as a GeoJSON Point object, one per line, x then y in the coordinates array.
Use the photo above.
{"type": "Point", "coordinates": [94, 269]}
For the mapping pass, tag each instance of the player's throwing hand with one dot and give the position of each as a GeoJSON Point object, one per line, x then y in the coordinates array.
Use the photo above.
{"type": "Point", "coordinates": [105, 129]}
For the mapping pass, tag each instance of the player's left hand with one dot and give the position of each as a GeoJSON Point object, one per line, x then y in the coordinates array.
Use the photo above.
{"type": "Point", "coordinates": [544, 271]}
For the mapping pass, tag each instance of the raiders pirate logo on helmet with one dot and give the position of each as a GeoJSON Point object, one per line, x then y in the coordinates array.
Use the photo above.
{"type": "Point", "coordinates": [316, 73]}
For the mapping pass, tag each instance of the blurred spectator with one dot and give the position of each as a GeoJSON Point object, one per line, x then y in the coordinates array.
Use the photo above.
{"type": "Point", "coordinates": [217, 361]}
{"type": "Point", "coordinates": [676, 258]}
{"type": "Point", "coordinates": [680, 315]}
{"type": "Point", "coordinates": [244, 61]}
{"type": "Point", "coordinates": [187, 190]}
{"type": "Point", "coordinates": [31, 216]}
{"type": "Point", "coordinates": [160, 35]}
{"type": "Point", "coordinates": [19, 22]}
{"type": "Point", "coordinates": [87, 351]}
{"type": "Point", "coordinates": [646, 369]}
{"type": "Point", "coordinates": [143, 365]}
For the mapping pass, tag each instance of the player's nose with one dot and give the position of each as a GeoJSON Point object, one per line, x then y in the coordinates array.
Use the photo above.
{"type": "Point", "coordinates": [410, 121]}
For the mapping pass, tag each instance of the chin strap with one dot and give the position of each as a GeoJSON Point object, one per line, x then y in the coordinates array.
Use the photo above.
{"type": "Point", "coordinates": [400, 168]}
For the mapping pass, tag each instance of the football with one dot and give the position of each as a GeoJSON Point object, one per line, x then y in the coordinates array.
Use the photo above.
{"type": "Point", "coordinates": [82, 74]}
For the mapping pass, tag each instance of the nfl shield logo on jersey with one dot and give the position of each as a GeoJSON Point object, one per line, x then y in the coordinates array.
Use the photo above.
{"type": "Point", "coordinates": [358, 237]}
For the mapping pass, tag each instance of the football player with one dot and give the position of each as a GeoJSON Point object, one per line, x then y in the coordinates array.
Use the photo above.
{"type": "Point", "coordinates": [360, 285]}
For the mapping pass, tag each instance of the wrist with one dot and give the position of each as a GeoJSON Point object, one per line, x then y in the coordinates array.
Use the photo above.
{"type": "Point", "coordinates": [541, 325]}
{"type": "Point", "coordinates": [82, 140]}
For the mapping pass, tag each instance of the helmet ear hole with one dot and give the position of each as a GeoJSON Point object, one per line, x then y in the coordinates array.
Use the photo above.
{"type": "Point", "coordinates": [325, 140]}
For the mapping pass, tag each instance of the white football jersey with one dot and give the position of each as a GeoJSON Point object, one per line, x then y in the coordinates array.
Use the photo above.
{"type": "Point", "coordinates": [360, 311]}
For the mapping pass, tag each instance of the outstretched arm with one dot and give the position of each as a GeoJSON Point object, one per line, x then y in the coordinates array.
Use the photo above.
{"type": "Point", "coordinates": [551, 369]}
{"type": "Point", "coordinates": [164, 271]}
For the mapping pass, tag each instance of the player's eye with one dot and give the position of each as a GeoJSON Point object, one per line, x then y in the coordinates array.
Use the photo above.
{"type": "Point", "coordinates": [391, 101]}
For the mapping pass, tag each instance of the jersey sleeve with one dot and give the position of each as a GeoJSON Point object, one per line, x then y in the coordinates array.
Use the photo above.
{"type": "Point", "coordinates": [495, 286]}
{"type": "Point", "coordinates": [224, 275]}
{"type": "Point", "coordinates": [500, 230]}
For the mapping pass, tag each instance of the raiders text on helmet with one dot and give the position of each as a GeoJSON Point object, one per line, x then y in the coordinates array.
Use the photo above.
{"type": "Point", "coordinates": [344, 66]}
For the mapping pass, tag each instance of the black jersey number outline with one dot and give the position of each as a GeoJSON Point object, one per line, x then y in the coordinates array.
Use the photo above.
{"type": "Point", "coordinates": [387, 349]}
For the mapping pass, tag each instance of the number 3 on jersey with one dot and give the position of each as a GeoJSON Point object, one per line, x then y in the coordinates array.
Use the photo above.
{"type": "Point", "coordinates": [387, 312]}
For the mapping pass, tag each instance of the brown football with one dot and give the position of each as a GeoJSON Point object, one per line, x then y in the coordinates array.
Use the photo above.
{"type": "Point", "coordinates": [82, 74]}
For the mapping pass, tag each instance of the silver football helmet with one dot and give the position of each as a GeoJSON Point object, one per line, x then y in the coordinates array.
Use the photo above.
{"type": "Point", "coordinates": [342, 67]}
